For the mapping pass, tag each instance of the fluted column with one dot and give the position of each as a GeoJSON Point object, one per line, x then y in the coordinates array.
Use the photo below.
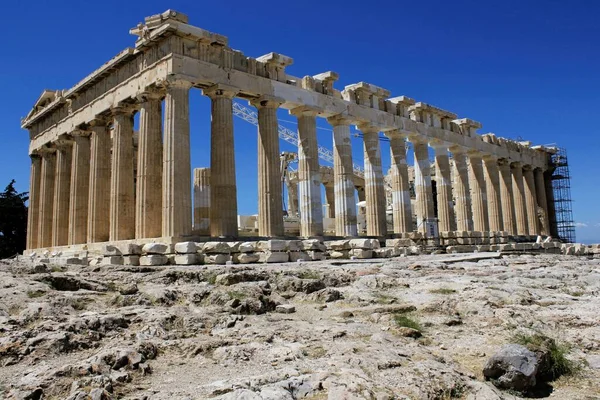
{"type": "Point", "coordinates": [423, 191]}
{"type": "Point", "coordinates": [507, 198]}
{"type": "Point", "coordinates": [461, 190]}
{"type": "Point", "coordinates": [148, 201]}
{"type": "Point", "coordinates": [478, 192]}
{"type": "Point", "coordinates": [444, 188]}
{"type": "Point", "coordinates": [530, 201]}
{"type": "Point", "coordinates": [80, 188]}
{"type": "Point", "coordinates": [374, 190]}
{"type": "Point", "coordinates": [518, 188]}
{"type": "Point", "coordinates": [46, 197]}
{"type": "Point", "coordinates": [122, 200]}
{"type": "Point", "coordinates": [62, 191]}
{"type": "Point", "coordinates": [99, 193]}
{"type": "Point", "coordinates": [330, 197]}
{"type": "Point", "coordinates": [343, 176]}
{"type": "Point", "coordinates": [292, 195]}
{"type": "Point", "coordinates": [491, 176]}
{"type": "Point", "coordinates": [270, 206]}
{"type": "Point", "coordinates": [202, 201]}
{"type": "Point", "coordinates": [223, 219]}
{"type": "Point", "coordinates": [540, 188]}
{"type": "Point", "coordinates": [309, 177]}
{"type": "Point", "coordinates": [401, 206]}
{"type": "Point", "coordinates": [177, 193]}
{"type": "Point", "coordinates": [33, 214]}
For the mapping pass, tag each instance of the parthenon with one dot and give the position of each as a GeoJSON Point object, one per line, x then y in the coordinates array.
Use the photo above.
{"type": "Point", "coordinates": [93, 184]}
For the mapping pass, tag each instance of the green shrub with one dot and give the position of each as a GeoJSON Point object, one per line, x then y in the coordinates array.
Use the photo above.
{"type": "Point", "coordinates": [405, 321]}
{"type": "Point", "coordinates": [557, 364]}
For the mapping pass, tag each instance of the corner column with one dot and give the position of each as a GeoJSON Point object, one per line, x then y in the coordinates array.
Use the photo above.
{"type": "Point", "coordinates": [34, 202]}
{"type": "Point", "coordinates": [375, 193]}
{"type": "Point", "coordinates": [62, 190]}
{"type": "Point", "coordinates": [148, 201]}
{"type": "Point", "coordinates": [507, 198]}
{"type": "Point", "coordinates": [444, 187]}
{"type": "Point", "coordinates": [270, 205]}
{"type": "Point", "coordinates": [99, 192]}
{"type": "Point", "coordinates": [491, 176]}
{"type": "Point", "coordinates": [343, 176]}
{"type": "Point", "coordinates": [461, 190]}
{"type": "Point", "coordinates": [518, 187]}
{"type": "Point", "coordinates": [122, 200]}
{"type": "Point", "coordinates": [401, 207]}
{"type": "Point", "coordinates": [177, 173]}
{"type": "Point", "coordinates": [540, 188]}
{"type": "Point", "coordinates": [530, 201]}
{"type": "Point", "coordinates": [478, 192]}
{"type": "Point", "coordinates": [423, 191]}
{"type": "Point", "coordinates": [309, 176]}
{"type": "Point", "coordinates": [46, 201]}
{"type": "Point", "coordinates": [80, 187]}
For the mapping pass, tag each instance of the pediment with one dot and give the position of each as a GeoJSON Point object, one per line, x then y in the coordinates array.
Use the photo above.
{"type": "Point", "coordinates": [47, 97]}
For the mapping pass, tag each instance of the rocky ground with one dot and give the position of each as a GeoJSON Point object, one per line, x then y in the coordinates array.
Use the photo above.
{"type": "Point", "coordinates": [405, 328]}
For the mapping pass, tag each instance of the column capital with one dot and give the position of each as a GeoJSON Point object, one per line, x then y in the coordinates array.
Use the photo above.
{"type": "Point", "coordinates": [457, 150]}
{"type": "Point", "coordinates": [516, 164]}
{"type": "Point", "coordinates": [35, 156]}
{"type": "Point", "coordinates": [437, 144]}
{"type": "Point", "coordinates": [63, 142]}
{"type": "Point", "coordinates": [490, 158]}
{"type": "Point", "coordinates": [77, 133]}
{"type": "Point", "coordinates": [173, 83]}
{"type": "Point", "coordinates": [340, 119]}
{"type": "Point", "coordinates": [503, 162]}
{"type": "Point", "coordinates": [307, 111]}
{"type": "Point", "coordinates": [527, 167]}
{"type": "Point", "coordinates": [122, 109]}
{"type": "Point", "coordinates": [99, 121]}
{"type": "Point", "coordinates": [395, 134]}
{"type": "Point", "coordinates": [46, 151]}
{"type": "Point", "coordinates": [267, 102]}
{"type": "Point", "coordinates": [220, 90]}
{"type": "Point", "coordinates": [417, 139]}
{"type": "Point", "coordinates": [474, 153]}
{"type": "Point", "coordinates": [366, 127]}
{"type": "Point", "coordinates": [152, 93]}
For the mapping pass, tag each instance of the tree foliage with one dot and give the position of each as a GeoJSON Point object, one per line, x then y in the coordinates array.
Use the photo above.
{"type": "Point", "coordinates": [13, 221]}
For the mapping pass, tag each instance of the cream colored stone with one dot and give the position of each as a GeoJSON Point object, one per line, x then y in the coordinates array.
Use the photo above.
{"type": "Point", "coordinates": [153, 260]}
{"type": "Point", "coordinates": [34, 202]}
{"type": "Point", "coordinates": [401, 205]}
{"type": "Point", "coordinates": [100, 186]}
{"type": "Point", "coordinates": [80, 188]}
{"type": "Point", "coordinates": [202, 201]}
{"type": "Point", "coordinates": [62, 190]}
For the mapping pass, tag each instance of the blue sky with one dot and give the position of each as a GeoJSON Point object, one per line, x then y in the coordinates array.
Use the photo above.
{"type": "Point", "coordinates": [523, 68]}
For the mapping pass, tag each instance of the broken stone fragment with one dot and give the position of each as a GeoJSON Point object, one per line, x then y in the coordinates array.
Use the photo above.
{"type": "Point", "coordinates": [285, 309]}
{"type": "Point", "coordinates": [186, 247]}
{"type": "Point", "coordinates": [155, 248]}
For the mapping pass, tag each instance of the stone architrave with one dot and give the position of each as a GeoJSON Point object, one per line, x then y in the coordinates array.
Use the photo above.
{"type": "Point", "coordinates": [491, 175]}
{"type": "Point", "coordinates": [401, 205]}
{"type": "Point", "coordinates": [33, 214]}
{"type": "Point", "coordinates": [98, 224]}
{"type": "Point", "coordinates": [177, 173]}
{"type": "Point", "coordinates": [461, 190]}
{"type": "Point", "coordinates": [309, 176]}
{"type": "Point", "coordinates": [270, 205]}
{"type": "Point", "coordinates": [46, 202]}
{"type": "Point", "coordinates": [80, 187]}
{"type": "Point", "coordinates": [122, 200]}
{"type": "Point", "coordinates": [478, 192]}
{"type": "Point", "coordinates": [223, 189]}
{"type": "Point", "coordinates": [62, 190]}
{"type": "Point", "coordinates": [507, 197]}
{"type": "Point", "coordinates": [443, 180]}
{"type": "Point", "coordinates": [518, 188]}
{"type": "Point", "coordinates": [374, 190]}
{"type": "Point", "coordinates": [530, 201]}
{"type": "Point", "coordinates": [148, 201]}
{"type": "Point", "coordinates": [540, 188]}
{"type": "Point", "coordinates": [343, 176]}
{"type": "Point", "coordinates": [423, 190]}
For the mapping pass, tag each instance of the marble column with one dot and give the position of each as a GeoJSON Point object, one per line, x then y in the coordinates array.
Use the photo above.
{"type": "Point", "coordinates": [122, 197]}
{"type": "Point", "coordinates": [202, 201]}
{"type": "Point", "coordinates": [423, 191]}
{"type": "Point", "coordinates": [374, 190]}
{"type": "Point", "coordinates": [518, 188]}
{"type": "Point", "coordinates": [330, 198]}
{"type": "Point", "coordinates": [62, 190]}
{"type": "Point", "coordinates": [507, 198]}
{"type": "Point", "coordinates": [462, 195]}
{"type": "Point", "coordinates": [530, 201]}
{"type": "Point", "coordinates": [491, 176]}
{"type": "Point", "coordinates": [478, 192]}
{"type": "Point", "coordinates": [401, 206]}
{"type": "Point", "coordinates": [443, 181]}
{"type": "Point", "coordinates": [540, 188]}
{"type": "Point", "coordinates": [80, 188]}
{"type": "Point", "coordinates": [270, 205]}
{"type": "Point", "coordinates": [309, 176]}
{"type": "Point", "coordinates": [292, 196]}
{"type": "Point", "coordinates": [343, 176]}
{"type": "Point", "coordinates": [34, 202]}
{"type": "Point", "coordinates": [176, 183]}
{"type": "Point", "coordinates": [46, 199]}
{"type": "Point", "coordinates": [99, 193]}
{"type": "Point", "coordinates": [148, 201]}
{"type": "Point", "coordinates": [223, 191]}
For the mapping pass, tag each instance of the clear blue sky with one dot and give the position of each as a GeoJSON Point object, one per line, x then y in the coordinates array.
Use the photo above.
{"type": "Point", "coordinates": [523, 68]}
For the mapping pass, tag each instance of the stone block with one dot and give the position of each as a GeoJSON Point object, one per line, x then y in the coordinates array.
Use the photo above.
{"type": "Point", "coordinates": [186, 259]}
{"type": "Point", "coordinates": [483, 247]}
{"type": "Point", "coordinates": [247, 247]}
{"type": "Point", "coordinates": [219, 259]}
{"type": "Point", "coordinates": [272, 245]}
{"type": "Point", "coordinates": [154, 259]}
{"type": "Point", "coordinates": [234, 247]}
{"type": "Point", "coordinates": [414, 250]}
{"type": "Point", "coordinates": [398, 242]}
{"type": "Point", "coordinates": [122, 249]}
{"type": "Point", "coordinates": [361, 253]}
{"type": "Point", "coordinates": [447, 235]}
{"type": "Point", "coordinates": [216, 248]}
{"type": "Point", "coordinates": [299, 256]}
{"type": "Point", "coordinates": [274, 256]}
{"type": "Point", "coordinates": [285, 309]}
{"type": "Point", "coordinates": [131, 260]}
{"type": "Point", "coordinates": [415, 235]}
{"type": "Point", "coordinates": [294, 245]}
{"type": "Point", "coordinates": [385, 252]}
{"type": "Point", "coordinates": [186, 248]}
{"type": "Point", "coordinates": [312, 244]}
{"type": "Point", "coordinates": [338, 245]}
{"type": "Point", "coordinates": [339, 254]}
{"type": "Point", "coordinates": [245, 258]}
{"type": "Point", "coordinates": [316, 255]}
{"type": "Point", "coordinates": [366, 244]}
{"type": "Point", "coordinates": [156, 248]}
{"type": "Point", "coordinates": [112, 260]}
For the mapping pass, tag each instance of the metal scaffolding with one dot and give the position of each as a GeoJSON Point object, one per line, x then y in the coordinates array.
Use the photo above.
{"type": "Point", "coordinates": [561, 190]}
